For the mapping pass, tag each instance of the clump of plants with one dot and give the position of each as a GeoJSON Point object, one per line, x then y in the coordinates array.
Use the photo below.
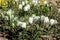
{"type": "Point", "coordinates": [28, 19]}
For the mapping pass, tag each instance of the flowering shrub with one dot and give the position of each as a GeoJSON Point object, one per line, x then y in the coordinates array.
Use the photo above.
{"type": "Point", "coordinates": [28, 20]}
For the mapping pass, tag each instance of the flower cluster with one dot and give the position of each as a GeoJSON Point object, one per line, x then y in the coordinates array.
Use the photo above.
{"type": "Point", "coordinates": [31, 16]}
{"type": "Point", "coordinates": [27, 6]}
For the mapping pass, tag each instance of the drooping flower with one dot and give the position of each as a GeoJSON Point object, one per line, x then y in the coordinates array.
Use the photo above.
{"type": "Point", "coordinates": [35, 1]}
{"type": "Point", "coordinates": [52, 21]}
{"type": "Point", "coordinates": [42, 17]}
{"type": "Point", "coordinates": [46, 20]}
{"type": "Point", "coordinates": [22, 24]}
{"type": "Point", "coordinates": [20, 6]}
{"type": "Point", "coordinates": [23, 3]}
{"type": "Point", "coordinates": [16, 0]}
{"type": "Point", "coordinates": [31, 20]}
{"type": "Point", "coordinates": [26, 1]}
{"type": "Point", "coordinates": [33, 15]}
{"type": "Point", "coordinates": [45, 2]}
{"type": "Point", "coordinates": [9, 11]}
{"type": "Point", "coordinates": [27, 7]}
{"type": "Point", "coordinates": [18, 23]}
{"type": "Point", "coordinates": [58, 10]}
{"type": "Point", "coordinates": [6, 18]}
{"type": "Point", "coordinates": [36, 18]}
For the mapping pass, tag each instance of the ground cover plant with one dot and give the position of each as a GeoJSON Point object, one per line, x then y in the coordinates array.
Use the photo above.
{"type": "Point", "coordinates": [30, 19]}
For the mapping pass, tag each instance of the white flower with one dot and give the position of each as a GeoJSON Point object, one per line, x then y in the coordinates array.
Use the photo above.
{"type": "Point", "coordinates": [35, 1]}
{"type": "Point", "coordinates": [9, 12]}
{"type": "Point", "coordinates": [45, 2]}
{"type": "Point", "coordinates": [33, 18]}
{"type": "Point", "coordinates": [26, 1]}
{"type": "Point", "coordinates": [33, 15]}
{"type": "Point", "coordinates": [19, 23]}
{"type": "Point", "coordinates": [36, 18]}
{"type": "Point", "coordinates": [20, 6]}
{"type": "Point", "coordinates": [22, 24]}
{"type": "Point", "coordinates": [46, 20]}
{"type": "Point", "coordinates": [30, 19]}
{"type": "Point", "coordinates": [42, 17]}
{"type": "Point", "coordinates": [27, 7]}
{"type": "Point", "coordinates": [6, 18]}
{"type": "Point", "coordinates": [58, 10]}
{"type": "Point", "coordinates": [23, 3]}
{"type": "Point", "coordinates": [52, 21]}
{"type": "Point", "coordinates": [55, 22]}
{"type": "Point", "coordinates": [16, 0]}
{"type": "Point", "coordinates": [39, 1]}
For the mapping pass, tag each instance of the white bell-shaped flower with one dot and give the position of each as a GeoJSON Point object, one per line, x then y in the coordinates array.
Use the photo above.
{"type": "Point", "coordinates": [20, 6]}
{"type": "Point", "coordinates": [52, 21]}
{"type": "Point", "coordinates": [33, 15]}
{"type": "Point", "coordinates": [42, 17]}
{"type": "Point", "coordinates": [19, 23]}
{"type": "Point", "coordinates": [16, 0]}
{"type": "Point", "coordinates": [26, 1]}
{"type": "Point", "coordinates": [35, 1]}
{"type": "Point", "coordinates": [58, 10]}
{"type": "Point", "coordinates": [9, 12]}
{"type": "Point", "coordinates": [27, 7]}
{"type": "Point", "coordinates": [46, 20]}
{"type": "Point", "coordinates": [31, 20]}
{"type": "Point", "coordinates": [36, 18]}
{"type": "Point", "coordinates": [23, 3]}
{"type": "Point", "coordinates": [22, 24]}
{"type": "Point", "coordinates": [6, 18]}
{"type": "Point", "coordinates": [45, 2]}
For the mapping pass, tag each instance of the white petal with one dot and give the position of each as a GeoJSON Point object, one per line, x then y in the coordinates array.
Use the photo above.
{"type": "Point", "coordinates": [26, 1]}
{"type": "Point", "coordinates": [16, 0]}
{"type": "Point", "coordinates": [19, 23]}
{"type": "Point", "coordinates": [51, 21]}
{"type": "Point", "coordinates": [36, 18]}
{"type": "Point", "coordinates": [55, 22]}
{"type": "Point", "coordinates": [6, 18]}
{"type": "Point", "coordinates": [46, 19]}
{"type": "Point", "coordinates": [23, 25]}
{"type": "Point", "coordinates": [9, 11]}
{"type": "Point", "coordinates": [33, 15]}
{"type": "Point", "coordinates": [23, 3]}
{"type": "Point", "coordinates": [27, 7]}
{"type": "Point", "coordinates": [45, 2]}
{"type": "Point", "coordinates": [30, 19]}
{"type": "Point", "coordinates": [58, 10]}
{"type": "Point", "coordinates": [20, 6]}
{"type": "Point", "coordinates": [42, 17]}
